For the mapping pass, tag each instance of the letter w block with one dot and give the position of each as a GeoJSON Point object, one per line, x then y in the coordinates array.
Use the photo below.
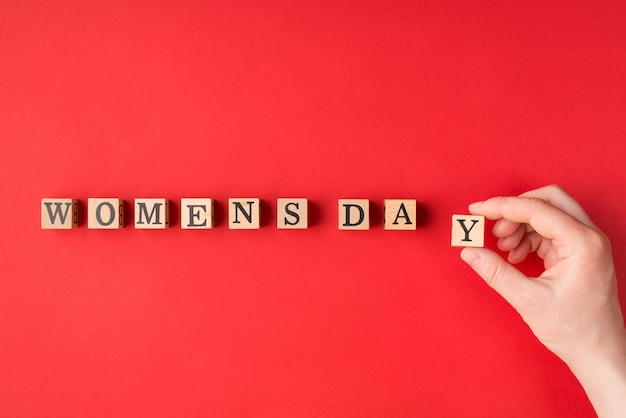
{"type": "Point", "coordinates": [59, 213]}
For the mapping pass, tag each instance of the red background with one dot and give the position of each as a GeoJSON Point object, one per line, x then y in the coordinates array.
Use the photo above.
{"type": "Point", "coordinates": [443, 102]}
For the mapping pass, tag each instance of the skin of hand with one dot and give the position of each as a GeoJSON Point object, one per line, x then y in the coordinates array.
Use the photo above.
{"type": "Point", "coordinates": [572, 307]}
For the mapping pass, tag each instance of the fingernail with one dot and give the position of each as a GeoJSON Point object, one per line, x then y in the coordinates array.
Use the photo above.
{"type": "Point", "coordinates": [475, 205]}
{"type": "Point", "coordinates": [469, 255]}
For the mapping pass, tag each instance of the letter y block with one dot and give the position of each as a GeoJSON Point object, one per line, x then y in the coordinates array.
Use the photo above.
{"type": "Point", "coordinates": [468, 231]}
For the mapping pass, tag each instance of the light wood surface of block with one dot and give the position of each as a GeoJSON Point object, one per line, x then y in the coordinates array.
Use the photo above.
{"type": "Point", "coordinates": [292, 213]}
{"type": "Point", "coordinates": [400, 214]}
{"type": "Point", "coordinates": [354, 214]}
{"type": "Point", "coordinates": [196, 213]}
{"type": "Point", "coordinates": [59, 213]}
{"type": "Point", "coordinates": [105, 213]}
{"type": "Point", "coordinates": [244, 213]}
{"type": "Point", "coordinates": [468, 231]}
{"type": "Point", "coordinates": [152, 213]}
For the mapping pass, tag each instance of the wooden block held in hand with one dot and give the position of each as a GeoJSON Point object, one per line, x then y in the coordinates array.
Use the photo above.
{"type": "Point", "coordinates": [105, 213]}
{"type": "Point", "coordinates": [196, 213]}
{"type": "Point", "coordinates": [354, 214]}
{"type": "Point", "coordinates": [292, 213]}
{"type": "Point", "coordinates": [468, 231]}
{"type": "Point", "coordinates": [244, 213]}
{"type": "Point", "coordinates": [152, 213]}
{"type": "Point", "coordinates": [59, 213]}
{"type": "Point", "coordinates": [400, 214]}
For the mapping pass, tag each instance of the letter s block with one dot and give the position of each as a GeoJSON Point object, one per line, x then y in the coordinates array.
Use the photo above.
{"type": "Point", "coordinates": [105, 213]}
{"type": "Point", "coordinates": [468, 231]}
{"type": "Point", "coordinates": [152, 213]}
{"type": "Point", "coordinates": [59, 213]}
{"type": "Point", "coordinates": [292, 213]}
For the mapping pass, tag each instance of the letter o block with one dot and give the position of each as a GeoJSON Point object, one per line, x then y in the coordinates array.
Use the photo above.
{"type": "Point", "coordinates": [105, 213]}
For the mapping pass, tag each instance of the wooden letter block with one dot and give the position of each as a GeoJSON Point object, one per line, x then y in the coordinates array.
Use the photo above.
{"type": "Point", "coordinates": [400, 214]}
{"type": "Point", "coordinates": [244, 213]}
{"type": "Point", "coordinates": [292, 214]}
{"type": "Point", "coordinates": [59, 213]}
{"type": "Point", "coordinates": [196, 213]}
{"type": "Point", "coordinates": [468, 231]}
{"type": "Point", "coordinates": [152, 213]}
{"type": "Point", "coordinates": [354, 214]}
{"type": "Point", "coordinates": [105, 213]}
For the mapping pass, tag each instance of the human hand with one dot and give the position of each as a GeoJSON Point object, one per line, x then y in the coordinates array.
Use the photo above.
{"type": "Point", "coordinates": [572, 307]}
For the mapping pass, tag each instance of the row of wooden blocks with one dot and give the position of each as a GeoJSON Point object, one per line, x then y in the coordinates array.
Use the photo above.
{"type": "Point", "coordinates": [245, 213]}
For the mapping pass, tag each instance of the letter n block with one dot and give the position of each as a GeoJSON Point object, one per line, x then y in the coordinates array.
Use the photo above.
{"type": "Point", "coordinates": [468, 231]}
{"type": "Point", "coordinates": [354, 214]}
{"type": "Point", "coordinates": [105, 213]}
{"type": "Point", "coordinates": [152, 213]}
{"type": "Point", "coordinates": [400, 214]}
{"type": "Point", "coordinates": [244, 213]}
{"type": "Point", "coordinates": [292, 213]}
{"type": "Point", "coordinates": [59, 213]}
{"type": "Point", "coordinates": [196, 213]}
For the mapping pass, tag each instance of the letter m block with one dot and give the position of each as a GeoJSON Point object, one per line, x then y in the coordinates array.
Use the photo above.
{"type": "Point", "coordinates": [152, 214]}
{"type": "Point", "coordinates": [59, 213]}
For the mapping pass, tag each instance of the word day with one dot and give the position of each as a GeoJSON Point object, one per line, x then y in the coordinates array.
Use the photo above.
{"type": "Point", "coordinates": [245, 213]}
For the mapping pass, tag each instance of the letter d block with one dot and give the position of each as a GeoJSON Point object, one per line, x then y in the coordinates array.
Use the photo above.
{"type": "Point", "coordinates": [468, 231]}
{"type": "Point", "coordinates": [354, 214]}
{"type": "Point", "coordinates": [152, 214]}
{"type": "Point", "coordinates": [105, 213]}
{"type": "Point", "coordinates": [400, 215]}
{"type": "Point", "coordinates": [196, 213]}
{"type": "Point", "coordinates": [59, 213]}
{"type": "Point", "coordinates": [292, 213]}
{"type": "Point", "coordinates": [244, 213]}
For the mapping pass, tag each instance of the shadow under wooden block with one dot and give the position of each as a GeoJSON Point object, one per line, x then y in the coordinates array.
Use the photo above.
{"type": "Point", "coordinates": [468, 231]}
{"type": "Point", "coordinates": [196, 213]}
{"type": "Point", "coordinates": [105, 213]}
{"type": "Point", "coordinates": [244, 213]}
{"type": "Point", "coordinates": [354, 214]}
{"type": "Point", "coordinates": [292, 213]}
{"type": "Point", "coordinates": [59, 213]}
{"type": "Point", "coordinates": [400, 214]}
{"type": "Point", "coordinates": [152, 213]}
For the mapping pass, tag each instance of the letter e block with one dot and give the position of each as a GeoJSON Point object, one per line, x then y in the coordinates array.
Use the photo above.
{"type": "Point", "coordinates": [292, 213]}
{"type": "Point", "coordinates": [59, 213]}
{"type": "Point", "coordinates": [105, 213]}
{"type": "Point", "coordinates": [400, 214]}
{"type": "Point", "coordinates": [244, 213]}
{"type": "Point", "coordinates": [152, 213]}
{"type": "Point", "coordinates": [354, 214]}
{"type": "Point", "coordinates": [196, 213]}
{"type": "Point", "coordinates": [468, 231]}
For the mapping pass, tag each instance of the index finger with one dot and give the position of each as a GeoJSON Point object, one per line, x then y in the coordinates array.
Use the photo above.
{"type": "Point", "coordinates": [548, 220]}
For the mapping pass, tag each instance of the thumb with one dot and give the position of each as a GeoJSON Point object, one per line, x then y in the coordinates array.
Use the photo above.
{"type": "Point", "coordinates": [505, 279]}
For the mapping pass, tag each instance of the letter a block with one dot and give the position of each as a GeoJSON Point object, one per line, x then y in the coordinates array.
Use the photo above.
{"type": "Point", "coordinates": [152, 214]}
{"type": "Point", "coordinates": [59, 213]}
{"type": "Point", "coordinates": [468, 231]}
{"type": "Point", "coordinates": [292, 213]}
{"type": "Point", "coordinates": [244, 213]}
{"type": "Point", "coordinates": [354, 214]}
{"type": "Point", "coordinates": [400, 214]}
{"type": "Point", "coordinates": [105, 213]}
{"type": "Point", "coordinates": [196, 213]}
